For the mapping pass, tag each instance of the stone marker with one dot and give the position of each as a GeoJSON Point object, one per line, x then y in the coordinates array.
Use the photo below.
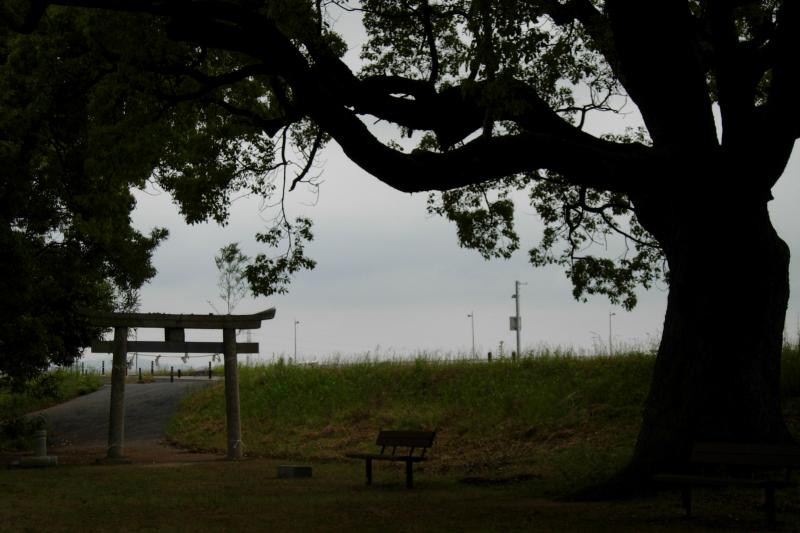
{"type": "Point", "coordinates": [40, 457]}
{"type": "Point", "coordinates": [289, 471]}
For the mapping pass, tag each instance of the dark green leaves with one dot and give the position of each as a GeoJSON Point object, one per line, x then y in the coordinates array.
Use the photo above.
{"type": "Point", "coordinates": [65, 200]}
{"type": "Point", "coordinates": [483, 224]}
{"type": "Point", "coordinates": [596, 238]}
{"type": "Point", "coordinates": [272, 275]}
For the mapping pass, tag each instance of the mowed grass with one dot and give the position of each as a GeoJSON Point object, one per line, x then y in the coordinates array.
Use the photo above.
{"type": "Point", "coordinates": [247, 496]}
{"type": "Point", "coordinates": [512, 437]}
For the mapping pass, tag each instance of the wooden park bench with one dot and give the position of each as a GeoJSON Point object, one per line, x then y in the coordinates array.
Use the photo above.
{"type": "Point", "coordinates": [399, 446]}
{"type": "Point", "coordinates": [727, 464]}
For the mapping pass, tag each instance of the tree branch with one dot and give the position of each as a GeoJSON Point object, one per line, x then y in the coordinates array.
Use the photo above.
{"type": "Point", "coordinates": [580, 157]}
{"type": "Point", "coordinates": [781, 111]}
{"type": "Point", "coordinates": [547, 142]}
{"type": "Point", "coordinates": [659, 65]}
{"type": "Point", "coordinates": [303, 173]}
{"type": "Point", "coordinates": [428, 27]}
{"type": "Point", "coordinates": [737, 74]}
{"type": "Point", "coordinates": [593, 21]}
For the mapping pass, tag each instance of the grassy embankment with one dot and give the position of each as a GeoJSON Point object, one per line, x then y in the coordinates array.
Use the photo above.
{"type": "Point", "coordinates": [559, 421]}
{"type": "Point", "coordinates": [48, 389]}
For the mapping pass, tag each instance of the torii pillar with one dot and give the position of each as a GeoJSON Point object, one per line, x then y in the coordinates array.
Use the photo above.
{"type": "Point", "coordinates": [175, 342]}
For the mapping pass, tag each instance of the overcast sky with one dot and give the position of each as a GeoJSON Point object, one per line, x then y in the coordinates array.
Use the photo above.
{"type": "Point", "coordinates": [391, 279]}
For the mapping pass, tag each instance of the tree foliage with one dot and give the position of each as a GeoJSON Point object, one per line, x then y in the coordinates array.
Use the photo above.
{"type": "Point", "coordinates": [66, 233]}
{"type": "Point", "coordinates": [94, 105]}
{"type": "Point", "coordinates": [214, 99]}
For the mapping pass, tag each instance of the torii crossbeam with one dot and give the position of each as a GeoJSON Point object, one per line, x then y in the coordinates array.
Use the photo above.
{"type": "Point", "coordinates": [175, 342]}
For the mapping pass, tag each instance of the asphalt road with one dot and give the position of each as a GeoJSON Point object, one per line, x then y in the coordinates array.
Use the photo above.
{"type": "Point", "coordinates": [83, 421]}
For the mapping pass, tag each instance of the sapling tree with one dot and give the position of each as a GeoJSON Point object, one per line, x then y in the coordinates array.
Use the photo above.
{"type": "Point", "coordinates": [232, 282]}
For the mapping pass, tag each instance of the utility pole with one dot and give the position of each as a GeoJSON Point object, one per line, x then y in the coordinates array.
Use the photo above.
{"type": "Point", "coordinates": [516, 321]}
{"type": "Point", "coordinates": [471, 316]}
{"type": "Point", "coordinates": [610, 350]}
{"type": "Point", "coordinates": [295, 340]}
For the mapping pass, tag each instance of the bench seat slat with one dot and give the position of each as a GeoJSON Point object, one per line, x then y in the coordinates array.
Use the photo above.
{"type": "Point", "coordinates": [746, 454]}
{"type": "Point", "coordinates": [416, 439]}
{"type": "Point", "coordinates": [711, 481]}
{"type": "Point", "coordinates": [384, 457]}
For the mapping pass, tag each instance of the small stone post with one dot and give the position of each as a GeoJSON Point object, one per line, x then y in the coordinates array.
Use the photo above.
{"type": "Point", "coordinates": [40, 443]}
{"type": "Point", "coordinates": [40, 457]}
{"type": "Point", "coordinates": [116, 419]}
{"type": "Point", "coordinates": [232, 417]}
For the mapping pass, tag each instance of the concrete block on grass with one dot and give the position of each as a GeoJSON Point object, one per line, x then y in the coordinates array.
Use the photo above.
{"type": "Point", "coordinates": [37, 461]}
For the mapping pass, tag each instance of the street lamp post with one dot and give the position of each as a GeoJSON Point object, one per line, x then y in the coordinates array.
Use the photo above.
{"type": "Point", "coordinates": [610, 350]}
{"type": "Point", "coordinates": [295, 340]}
{"type": "Point", "coordinates": [471, 316]}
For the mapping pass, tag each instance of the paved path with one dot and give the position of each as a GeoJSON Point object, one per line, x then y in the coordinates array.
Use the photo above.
{"type": "Point", "coordinates": [81, 424]}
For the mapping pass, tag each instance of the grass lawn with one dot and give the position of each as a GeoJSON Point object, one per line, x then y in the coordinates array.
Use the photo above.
{"type": "Point", "coordinates": [512, 439]}
{"type": "Point", "coordinates": [246, 495]}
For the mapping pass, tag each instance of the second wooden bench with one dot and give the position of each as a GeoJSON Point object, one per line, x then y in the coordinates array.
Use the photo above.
{"type": "Point", "coordinates": [732, 464]}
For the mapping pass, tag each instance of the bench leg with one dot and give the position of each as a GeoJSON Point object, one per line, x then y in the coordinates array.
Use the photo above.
{"type": "Point", "coordinates": [769, 506]}
{"type": "Point", "coordinates": [409, 475]}
{"type": "Point", "coordinates": [369, 471]}
{"type": "Point", "coordinates": [686, 496]}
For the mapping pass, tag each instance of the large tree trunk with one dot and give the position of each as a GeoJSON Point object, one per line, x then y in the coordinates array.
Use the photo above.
{"type": "Point", "coordinates": [717, 372]}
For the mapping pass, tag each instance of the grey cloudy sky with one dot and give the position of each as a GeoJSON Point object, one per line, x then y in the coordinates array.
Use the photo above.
{"type": "Point", "coordinates": [392, 279]}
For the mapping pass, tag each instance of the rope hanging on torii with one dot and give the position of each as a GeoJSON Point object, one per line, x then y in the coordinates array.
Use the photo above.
{"type": "Point", "coordinates": [174, 327]}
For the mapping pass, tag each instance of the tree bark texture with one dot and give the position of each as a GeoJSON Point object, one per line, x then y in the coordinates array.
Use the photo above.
{"type": "Point", "coordinates": [717, 372]}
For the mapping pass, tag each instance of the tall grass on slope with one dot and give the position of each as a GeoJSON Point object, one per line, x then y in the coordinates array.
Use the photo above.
{"type": "Point", "coordinates": [488, 416]}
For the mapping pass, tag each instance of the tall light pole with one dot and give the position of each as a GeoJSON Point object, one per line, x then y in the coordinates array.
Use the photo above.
{"type": "Point", "coordinates": [295, 340]}
{"type": "Point", "coordinates": [516, 323]}
{"type": "Point", "coordinates": [471, 316]}
{"type": "Point", "coordinates": [610, 350]}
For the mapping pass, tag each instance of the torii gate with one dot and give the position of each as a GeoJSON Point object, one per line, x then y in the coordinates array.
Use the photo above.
{"type": "Point", "coordinates": [175, 342]}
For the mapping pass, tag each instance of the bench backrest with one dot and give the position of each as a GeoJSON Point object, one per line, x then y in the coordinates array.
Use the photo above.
{"type": "Point", "coordinates": [408, 440]}
{"type": "Point", "coordinates": [762, 455]}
